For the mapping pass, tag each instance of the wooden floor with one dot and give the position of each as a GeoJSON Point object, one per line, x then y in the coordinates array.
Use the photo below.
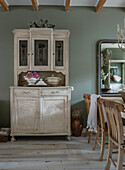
{"type": "Point", "coordinates": [43, 153]}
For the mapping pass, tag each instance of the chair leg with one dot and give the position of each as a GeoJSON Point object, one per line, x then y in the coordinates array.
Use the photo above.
{"type": "Point", "coordinates": [86, 132]}
{"type": "Point", "coordinates": [110, 148]}
{"type": "Point", "coordinates": [96, 138]}
{"type": "Point", "coordinates": [120, 159]}
{"type": "Point", "coordinates": [90, 137]}
{"type": "Point", "coordinates": [102, 145]}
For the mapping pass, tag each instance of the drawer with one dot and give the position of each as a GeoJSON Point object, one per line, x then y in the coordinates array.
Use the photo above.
{"type": "Point", "coordinates": [54, 92]}
{"type": "Point", "coordinates": [26, 92]}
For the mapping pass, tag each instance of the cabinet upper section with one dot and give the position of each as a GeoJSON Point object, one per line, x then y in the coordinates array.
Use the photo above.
{"type": "Point", "coordinates": [41, 49]}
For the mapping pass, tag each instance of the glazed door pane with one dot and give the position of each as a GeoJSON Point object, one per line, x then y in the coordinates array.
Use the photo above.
{"type": "Point", "coordinates": [23, 52]}
{"type": "Point", "coordinates": [59, 53]}
{"type": "Point", "coordinates": [41, 52]}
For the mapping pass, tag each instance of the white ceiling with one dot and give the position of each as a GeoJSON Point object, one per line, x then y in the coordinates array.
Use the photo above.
{"type": "Point", "coordinates": [109, 3]}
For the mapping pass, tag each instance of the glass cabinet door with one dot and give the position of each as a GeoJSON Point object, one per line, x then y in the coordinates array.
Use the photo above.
{"type": "Point", "coordinates": [40, 52]}
{"type": "Point", "coordinates": [59, 53]}
{"type": "Point", "coordinates": [23, 53]}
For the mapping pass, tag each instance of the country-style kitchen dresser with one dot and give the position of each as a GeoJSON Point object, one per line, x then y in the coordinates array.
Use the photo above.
{"type": "Point", "coordinates": [40, 110]}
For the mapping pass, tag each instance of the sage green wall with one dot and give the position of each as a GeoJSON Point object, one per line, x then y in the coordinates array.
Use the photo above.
{"type": "Point", "coordinates": [86, 26]}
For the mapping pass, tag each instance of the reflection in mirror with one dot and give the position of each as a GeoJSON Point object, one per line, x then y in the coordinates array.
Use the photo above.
{"type": "Point", "coordinates": [111, 68]}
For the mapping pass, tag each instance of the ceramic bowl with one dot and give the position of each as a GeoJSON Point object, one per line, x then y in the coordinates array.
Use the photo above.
{"type": "Point", "coordinates": [31, 81]}
{"type": "Point", "coordinates": [54, 81]}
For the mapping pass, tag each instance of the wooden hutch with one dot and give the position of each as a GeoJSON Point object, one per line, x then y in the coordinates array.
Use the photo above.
{"type": "Point", "coordinates": [37, 110]}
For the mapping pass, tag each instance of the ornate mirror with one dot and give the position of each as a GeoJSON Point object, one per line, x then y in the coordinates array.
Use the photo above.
{"type": "Point", "coordinates": [111, 68]}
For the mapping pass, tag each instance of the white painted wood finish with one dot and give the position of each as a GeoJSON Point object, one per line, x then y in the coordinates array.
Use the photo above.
{"type": "Point", "coordinates": [109, 3]}
{"type": "Point", "coordinates": [40, 111]}
{"type": "Point", "coordinates": [55, 110]}
{"type": "Point", "coordinates": [25, 115]}
{"type": "Point", "coordinates": [20, 35]}
{"type": "Point", "coordinates": [41, 34]}
{"type": "Point", "coordinates": [62, 36]}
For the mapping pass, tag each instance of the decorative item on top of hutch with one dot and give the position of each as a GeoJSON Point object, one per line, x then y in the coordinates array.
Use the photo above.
{"type": "Point", "coordinates": [41, 24]}
{"type": "Point", "coordinates": [41, 111]}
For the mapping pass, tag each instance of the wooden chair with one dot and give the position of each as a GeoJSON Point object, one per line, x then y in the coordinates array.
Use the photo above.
{"type": "Point", "coordinates": [87, 100]}
{"type": "Point", "coordinates": [101, 127]}
{"type": "Point", "coordinates": [115, 132]}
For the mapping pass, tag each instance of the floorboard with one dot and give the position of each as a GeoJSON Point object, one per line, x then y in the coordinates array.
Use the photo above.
{"type": "Point", "coordinates": [49, 153]}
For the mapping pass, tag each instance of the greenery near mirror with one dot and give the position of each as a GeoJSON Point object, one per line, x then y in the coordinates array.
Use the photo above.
{"type": "Point", "coordinates": [111, 68]}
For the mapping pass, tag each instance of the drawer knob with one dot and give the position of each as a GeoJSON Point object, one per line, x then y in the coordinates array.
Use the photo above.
{"type": "Point", "coordinates": [26, 92]}
{"type": "Point", "coordinates": [54, 92]}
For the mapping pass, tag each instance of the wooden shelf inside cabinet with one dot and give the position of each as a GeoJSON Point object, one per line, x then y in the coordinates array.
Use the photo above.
{"type": "Point", "coordinates": [39, 86]}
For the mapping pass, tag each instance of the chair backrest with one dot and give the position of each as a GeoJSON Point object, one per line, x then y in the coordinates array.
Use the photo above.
{"type": "Point", "coordinates": [114, 120]}
{"type": "Point", "coordinates": [87, 100]}
{"type": "Point", "coordinates": [101, 113]}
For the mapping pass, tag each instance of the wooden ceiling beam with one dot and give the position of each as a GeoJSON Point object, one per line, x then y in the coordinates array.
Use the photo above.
{"type": "Point", "coordinates": [35, 5]}
{"type": "Point", "coordinates": [100, 5]}
{"type": "Point", "coordinates": [67, 5]}
{"type": "Point", "coordinates": [4, 5]}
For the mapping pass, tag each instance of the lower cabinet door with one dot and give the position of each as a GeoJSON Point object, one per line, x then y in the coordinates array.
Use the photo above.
{"type": "Point", "coordinates": [54, 116]}
{"type": "Point", "coordinates": [26, 115]}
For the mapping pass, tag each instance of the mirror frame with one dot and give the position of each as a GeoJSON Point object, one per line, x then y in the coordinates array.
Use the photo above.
{"type": "Point", "coordinates": [99, 43]}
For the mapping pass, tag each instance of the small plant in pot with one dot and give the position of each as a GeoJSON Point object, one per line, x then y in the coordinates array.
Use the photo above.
{"type": "Point", "coordinates": [77, 122]}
